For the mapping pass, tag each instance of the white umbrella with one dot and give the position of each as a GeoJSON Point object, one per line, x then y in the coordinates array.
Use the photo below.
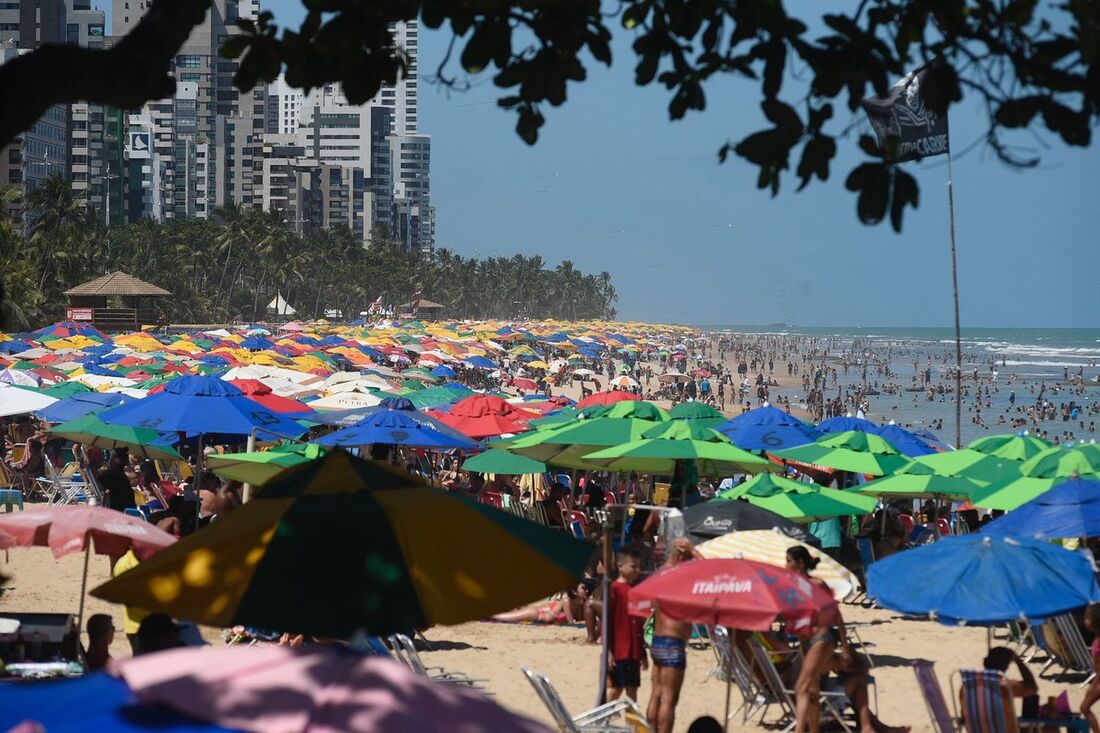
{"type": "Point", "coordinates": [15, 376]}
{"type": "Point", "coordinates": [345, 401]}
{"type": "Point", "coordinates": [582, 373]}
{"type": "Point", "coordinates": [18, 401]}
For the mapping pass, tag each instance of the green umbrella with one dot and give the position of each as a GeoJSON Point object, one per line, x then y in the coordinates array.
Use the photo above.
{"type": "Point", "coordinates": [1081, 460]}
{"type": "Point", "coordinates": [1012, 447]}
{"type": "Point", "coordinates": [435, 396]}
{"type": "Point", "coordinates": [564, 415]}
{"type": "Point", "coordinates": [90, 430]}
{"type": "Point", "coordinates": [799, 502]}
{"type": "Point", "coordinates": [692, 410]}
{"type": "Point", "coordinates": [564, 446]}
{"type": "Point", "coordinates": [712, 452]}
{"type": "Point", "coordinates": [503, 462]}
{"type": "Point", "coordinates": [65, 389]}
{"type": "Point", "coordinates": [917, 486]}
{"type": "Point", "coordinates": [967, 463]}
{"type": "Point", "coordinates": [259, 467]}
{"type": "Point", "coordinates": [853, 451]}
{"type": "Point", "coordinates": [1038, 475]}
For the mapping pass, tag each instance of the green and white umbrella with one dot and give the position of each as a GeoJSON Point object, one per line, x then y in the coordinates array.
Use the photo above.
{"type": "Point", "coordinates": [1038, 475]}
{"type": "Point", "coordinates": [916, 486]}
{"type": "Point", "coordinates": [91, 430]}
{"type": "Point", "coordinates": [503, 462]}
{"type": "Point", "coordinates": [712, 452]}
{"type": "Point", "coordinates": [852, 450]}
{"type": "Point", "coordinates": [1011, 447]}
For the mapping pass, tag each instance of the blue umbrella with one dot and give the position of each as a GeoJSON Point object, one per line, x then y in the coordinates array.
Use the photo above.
{"type": "Point", "coordinates": [14, 346]}
{"type": "Point", "coordinates": [257, 343]}
{"type": "Point", "coordinates": [909, 443]}
{"type": "Point", "coordinates": [205, 405]}
{"type": "Point", "coordinates": [444, 372]}
{"type": "Point", "coordinates": [767, 428]}
{"type": "Point", "coordinates": [397, 427]}
{"type": "Point", "coordinates": [983, 580]}
{"type": "Point", "coordinates": [846, 423]}
{"type": "Point", "coordinates": [97, 702]}
{"type": "Point", "coordinates": [80, 405]}
{"type": "Point", "coordinates": [1070, 509]}
{"type": "Point", "coordinates": [480, 361]}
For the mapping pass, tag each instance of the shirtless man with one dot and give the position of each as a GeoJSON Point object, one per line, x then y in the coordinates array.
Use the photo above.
{"type": "Point", "coordinates": [669, 653]}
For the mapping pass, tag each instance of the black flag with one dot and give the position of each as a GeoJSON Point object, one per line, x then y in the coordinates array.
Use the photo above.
{"type": "Point", "coordinates": [902, 118]}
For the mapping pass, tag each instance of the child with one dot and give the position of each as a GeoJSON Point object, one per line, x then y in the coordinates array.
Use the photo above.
{"type": "Point", "coordinates": [626, 655]}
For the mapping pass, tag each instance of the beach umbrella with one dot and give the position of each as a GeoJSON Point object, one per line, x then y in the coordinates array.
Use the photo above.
{"type": "Point", "coordinates": [906, 441]}
{"type": "Point", "coordinates": [738, 594]}
{"type": "Point", "coordinates": [608, 398]}
{"type": "Point", "coordinates": [259, 467]}
{"type": "Point", "coordinates": [345, 401]}
{"type": "Point", "coordinates": [91, 430]}
{"type": "Point", "coordinates": [798, 501]}
{"type": "Point", "coordinates": [201, 405]}
{"type": "Point", "coordinates": [209, 689]}
{"type": "Point", "coordinates": [711, 451]}
{"type": "Point", "coordinates": [712, 519]}
{"type": "Point", "coordinates": [917, 486]}
{"type": "Point", "coordinates": [846, 423]}
{"type": "Point", "coordinates": [340, 544]}
{"type": "Point", "coordinates": [855, 451]}
{"type": "Point", "coordinates": [68, 529]}
{"type": "Point", "coordinates": [503, 462]}
{"type": "Point", "coordinates": [396, 427]}
{"type": "Point", "coordinates": [770, 546]}
{"type": "Point", "coordinates": [484, 416]}
{"type": "Point", "coordinates": [983, 580]}
{"type": "Point", "coordinates": [692, 410]}
{"type": "Point", "coordinates": [767, 428]}
{"type": "Point", "coordinates": [1070, 509]}
{"type": "Point", "coordinates": [19, 401]}
{"type": "Point", "coordinates": [263, 395]}
{"type": "Point", "coordinates": [1010, 447]}
{"type": "Point", "coordinates": [965, 462]}
{"type": "Point", "coordinates": [1038, 475]}
{"type": "Point", "coordinates": [566, 445]}
{"type": "Point", "coordinates": [79, 405]}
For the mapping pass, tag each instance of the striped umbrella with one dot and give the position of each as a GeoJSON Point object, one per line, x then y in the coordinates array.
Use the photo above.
{"type": "Point", "coordinates": [770, 546]}
{"type": "Point", "coordinates": [797, 501]}
{"type": "Point", "coordinates": [853, 451]}
{"type": "Point", "coordinates": [340, 544]}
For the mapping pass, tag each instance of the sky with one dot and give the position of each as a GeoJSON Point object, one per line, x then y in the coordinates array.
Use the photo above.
{"type": "Point", "coordinates": [614, 185]}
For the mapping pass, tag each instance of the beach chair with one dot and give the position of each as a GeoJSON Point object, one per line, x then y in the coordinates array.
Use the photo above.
{"type": "Point", "coordinates": [61, 491]}
{"type": "Point", "coordinates": [832, 702]}
{"type": "Point", "coordinates": [577, 522]}
{"type": "Point", "coordinates": [930, 689]}
{"type": "Point", "coordinates": [983, 706]}
{"type": "Point", "coordinates": [733, 669]}
{"type": "Point", "coordinates": [944, 527]}
{"type": "Point", "coordinates": [404, 650]}
{"type": "Point", "coordinates": [493, 499]}
{"type": "Point", "coordinates": [907, 523]}
{"type": "Point", "coordinates": [597, 720]}
{"type": "Point", "coordinates": [1077, 655]}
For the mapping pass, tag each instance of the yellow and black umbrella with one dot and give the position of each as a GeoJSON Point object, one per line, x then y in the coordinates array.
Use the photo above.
{"type": "Point", "coordinates": [341, 544]}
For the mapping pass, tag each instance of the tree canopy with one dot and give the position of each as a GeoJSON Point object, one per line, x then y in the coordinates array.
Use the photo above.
{"type": "Point", "coordinates": [1028, 63]}
{"type": "Point", "coordinates": [231, 267]}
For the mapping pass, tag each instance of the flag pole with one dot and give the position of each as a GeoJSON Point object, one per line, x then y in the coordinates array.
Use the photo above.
{"type": "Point", "coordinates": [955, 290]}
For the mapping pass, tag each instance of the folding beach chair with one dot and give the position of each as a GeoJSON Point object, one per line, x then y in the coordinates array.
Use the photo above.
{"type": "Point", "coordinates": [832, 701]}
{"type": "Point", "coordinates": [1078, 658]}
{"type": "Point", "coordinates": [404, 650]}
{"type": "Point", "coordinates": [597, 720]}
{"type": "Point", "coordinates": [733, 669]}
{"type": "Point", "coordinates": [60, 490]}
{"type": "Point", "coordinates": [930, 689]}
{"type": "Point", "coordinates": [983, 706]}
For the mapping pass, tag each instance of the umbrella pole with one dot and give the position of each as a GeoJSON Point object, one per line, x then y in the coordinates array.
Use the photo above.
{"type": "Point", "coordinates": [604, 609]}
{"type": "Point", "coordinates": [83, 585]}
{"type": "Point", "coordinates": [246, 488]}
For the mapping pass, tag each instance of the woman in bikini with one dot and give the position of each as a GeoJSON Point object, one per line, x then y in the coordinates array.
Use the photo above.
{"type": "Point", "coordinates": [565, 611]}
{"type": "Point", "coordinates": [819, 658]}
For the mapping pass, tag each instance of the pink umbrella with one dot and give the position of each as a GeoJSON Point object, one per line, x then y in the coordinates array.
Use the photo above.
{"type": "Point", "coordinates": [68, 529]}
{"type": "Point", "coordinates": [275, 689]}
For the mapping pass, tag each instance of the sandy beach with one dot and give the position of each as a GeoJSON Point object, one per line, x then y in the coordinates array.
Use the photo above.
{"type": "Point", "coordinates": [496, 651]}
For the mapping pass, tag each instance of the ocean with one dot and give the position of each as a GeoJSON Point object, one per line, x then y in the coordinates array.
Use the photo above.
{"type": "Point", "coordinates": [1028, 361]}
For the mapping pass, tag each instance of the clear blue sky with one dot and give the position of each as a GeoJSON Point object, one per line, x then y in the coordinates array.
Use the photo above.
{"type": "Point", "coordinates": [614, 185]}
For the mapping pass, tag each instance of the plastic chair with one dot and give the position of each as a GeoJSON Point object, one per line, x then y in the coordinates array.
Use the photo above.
{"type": "Point", "coordinates": [493, 499]}
{"type": "Point", "coordinates": [944, 527]}
{"type": "Point", "coordinates": [907, 523]}
{"type": "Point", "coordinates": [11, 498]}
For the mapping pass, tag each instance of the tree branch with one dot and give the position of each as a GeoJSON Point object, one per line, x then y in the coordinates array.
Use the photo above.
{"type": "Point", "coordinates": [134, 71]}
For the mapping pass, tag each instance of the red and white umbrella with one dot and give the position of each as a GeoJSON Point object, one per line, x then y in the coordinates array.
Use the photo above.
{"type": "Point", "coordinates": [68, 529]}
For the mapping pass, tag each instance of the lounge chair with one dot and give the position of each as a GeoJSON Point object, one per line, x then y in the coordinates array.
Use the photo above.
{"type": "Point", "coordinates": [1078, 658]}
{"type": "Point", "coordinates": [833, 702]}
{"type": "Point", "coordinates": [983, 706]}
{"type": "Point", "coordinates": [404, 650]}
{"type": "Point", "coordinates": [60, 490]}
{"type": "Point", "coordinates": [930, 689]}
{"type": "Point", "coordinates": [597, 720]}
{"type": "Point", "coordinates": [733, 669]}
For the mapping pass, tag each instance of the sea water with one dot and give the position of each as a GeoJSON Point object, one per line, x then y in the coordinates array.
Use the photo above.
{"type": "Point", "coordinates": [1028, 361]}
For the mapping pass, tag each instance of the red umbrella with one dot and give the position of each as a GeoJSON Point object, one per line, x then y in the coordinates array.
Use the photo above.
{"type": "Point", "coordinates": [483, 416]}
{"type": "Point", "coordinates": [257, 391]}
{"type": "Point", "coordinates": [608, 398]}
{"type": "Point", "coordinates": [68, 529]}
{"type": "Point", "coordinates": [739, 594]}
{"type": "Point", "coordinates": [524, 383]}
